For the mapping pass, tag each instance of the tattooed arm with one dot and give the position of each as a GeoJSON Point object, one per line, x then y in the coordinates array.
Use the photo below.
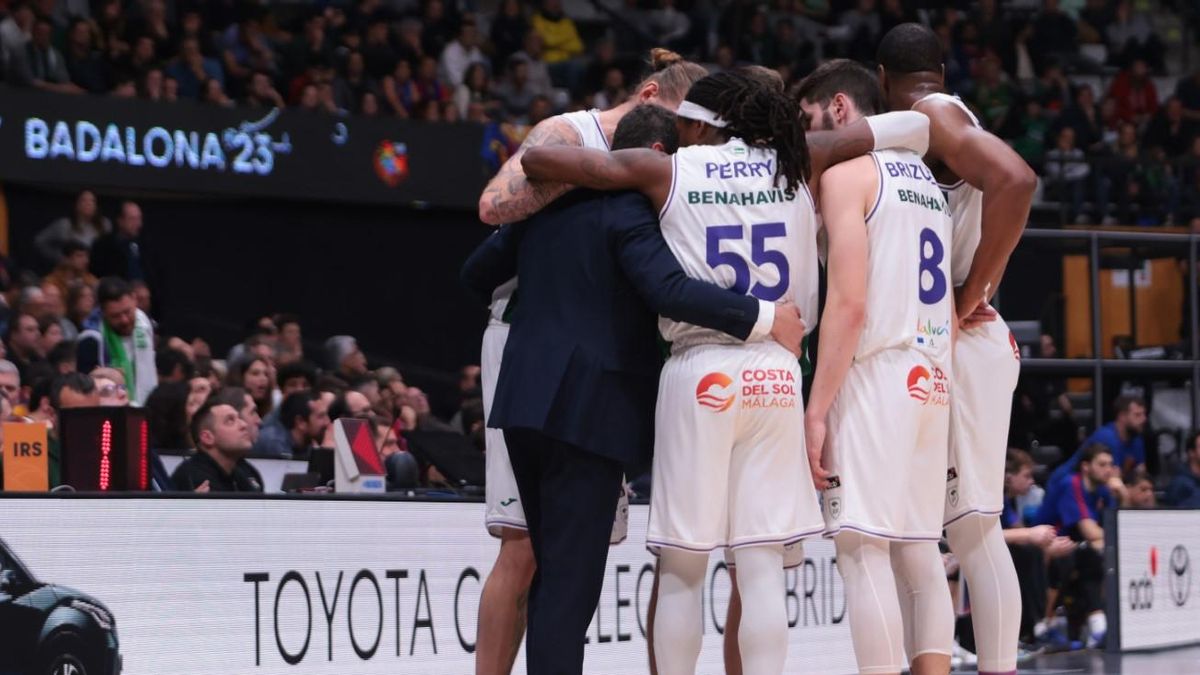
{"type": "Point", "coordinates": [510, 196]}
{"type": "Point", "coordinates": [647, 171]}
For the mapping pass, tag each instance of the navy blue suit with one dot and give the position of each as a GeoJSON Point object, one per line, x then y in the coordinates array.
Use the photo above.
{"type": "Point", "coordinates": [578, 385]}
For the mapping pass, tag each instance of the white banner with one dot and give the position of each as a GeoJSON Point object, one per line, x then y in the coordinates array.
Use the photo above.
{"type": "Point", "coordinates": [221, 586]}
{"type": "Point", "coordinates": [1156, 558]}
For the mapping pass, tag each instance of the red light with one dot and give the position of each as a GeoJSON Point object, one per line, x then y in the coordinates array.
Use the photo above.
{"type": "Point", "coordinates": [105, 454]}
{"type": "Point", "coordinates": [144, 457]}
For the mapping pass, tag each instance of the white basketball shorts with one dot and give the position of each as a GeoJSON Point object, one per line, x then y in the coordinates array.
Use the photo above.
{"type": "Point", "coordinates": [887, 438]}
{"type": "Point", "coordinates": [730, 468]}
{"type": "Point", "coordinates": [987, 363]}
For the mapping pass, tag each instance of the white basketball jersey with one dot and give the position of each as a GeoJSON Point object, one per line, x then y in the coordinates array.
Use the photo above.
{"type": "Point", "coordinates": [591, 135]}
{"type": "Point", "coordinates": [729, 223]}
{"type": "Point", "coordinates": [908, 271]}
{"type": "Point", "coordinates": [966, 208]}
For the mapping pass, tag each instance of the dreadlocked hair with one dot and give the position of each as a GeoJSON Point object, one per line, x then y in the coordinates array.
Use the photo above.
{"type": "Point", "coordinates": [761, 114]}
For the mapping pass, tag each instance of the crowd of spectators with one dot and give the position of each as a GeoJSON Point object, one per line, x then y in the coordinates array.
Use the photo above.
{"type": "Point", "coordinates": [1084, 91]}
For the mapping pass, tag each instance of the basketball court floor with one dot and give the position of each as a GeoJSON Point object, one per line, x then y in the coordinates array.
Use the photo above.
{"type": "Point", "coordinates": [1181, 661]}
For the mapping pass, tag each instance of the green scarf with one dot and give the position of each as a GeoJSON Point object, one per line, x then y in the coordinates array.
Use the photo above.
{"type": "Point", "coordinates": [117, 357]}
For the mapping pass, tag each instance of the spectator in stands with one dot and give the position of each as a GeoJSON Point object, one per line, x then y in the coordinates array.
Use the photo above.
{"type": "Point", "coordinates": [303, 419]}
{"type": "Point", "coordinates": [1138, 491]}
{"type": "Point", "coordinates": [437, 29]}
{"type": "Point", "coordinates": [296, 377]}
{"type": "Point", "coordinates": [119, 253]}
{"type": "Point", "coordinates": [41, 65]}
{"type": "Point", "coordinates": [222, 441]}
{"type": "Point", "coordinates": [254, 375]}
{"type": "Point", "coordinates": [51, 334]}
{"type": "Point", "coordinates": [1083, 115]}
{"type": "Point", "coordinates": [73, 390]}
{"type": "Point", "coordinates": [72, 268]}
{"type": "Point", "coordinates": [62, 358]}
{"type": "Point", "coordinates": [312, 43]}
{"type": "Point", "coordinates": [167, 418]}
{"type": "Point", "coordinates": [1134, 93]}
{"type": "Point", "coordinates": [213, 93]}
{"type": "Point", "coordinates": [246, 52]}
{"type": "Point", "coordinates": [124, 340]}
{"type": "Point", "coordinates": [23, 341]}
{"type": "Point", "coordinates": [352, 83]}
{"type": "Point", "coordinates": [261, 92]}
{"type": "Point", "coordinates": [461, 53]}
{"type": "Point", "coordinates": [993, 95]}
{"type": "Point", "coordinates": [1029, 131]}
{"type": "Point", "coordinates": [561, 41]}
{"type": "Point", "coordinates": [84, 225]}
{"type": "Point", "coordinates": [247, 410]}
{"type": "Point", "coordinates": [509, 28]}
{"type": "Point", "coordinates": [199, 391]}
{"type": "Point", "coordinates": [1169, 131]}
{"type": "Point", "coordinates": [10, 382]}
{"type": "Point", "coordinates": [400, 90]}
{"type": "Point", "coordinates": [344, 358]}
{"type": "Point", "coordinates": [1123, 436]}
{"type": "Point", "coordinates": [1187, 90]}
{"type": "Point", "coordinates": [385, 437]}
{"type": "Point", "coordinates": [1123, 175]}
{"type": "Point", "coordinates": [378, 55]}
{"type": "Point", "coordinates": [350, 404]}
{"type": "Point", "coordinates": [1184, 488]}
{"type": "Point", "coordinates": [110, 384]}
{"type": "Point", "coordinates": [1066, 172]}
{"type": "Point", "coordinates": [1055, 37]}
{"type": "Point", "coordinates": [1080, 515]}
{"type": "Point", "coordinates": [39, 408]}
{"type": "Point", "coordinates": [614, 91]}
{"type": "Point", "coordinates": [475, 88]}
{"type": "Point", "coordinates": [191, 69]}
{"type": "Point", "coordinates": [516, 92]}
{"type": "Point", "coordinates": [1131, 36]}
{"type": "Point", "coordinates": [429, 86]}
{"type": "Point", "coordinates": [85, 64]}
{"type": "Point", "coordinates": [173, 365]}
{"type": "Point", "coordinates": [15, 32]}
{"type": "Point", "coordinates": [1030, 547]}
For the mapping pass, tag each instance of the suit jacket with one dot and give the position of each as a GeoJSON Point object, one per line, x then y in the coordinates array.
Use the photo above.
{"type": "Point", "coordinates": [582, 360]}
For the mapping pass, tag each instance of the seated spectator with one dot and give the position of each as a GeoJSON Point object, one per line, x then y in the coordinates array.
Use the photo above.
{"type": "Point", "coordinates": [1066, 172]}
{"type": "Point", "coordinates": [1055, 37]}
{"type": "Point", "coordinates": [72, 268]}
{"type": "Point", "coordinates": [253, 373]}
{"type": "Point", "coordinates": [1080, 515]}
{"type": "Point", "coordinates": [40, 64]}
{"type": "Point", "coordinates": [428, 84]}
{"type": "Point", "coordinates": [313, 41]}
{"type": "Point", "coordinates": [24, 341]}
{"type": "Point", "coordinates": [379, 57]}
{"type": "Point", "coordinates": [476, 87]}
{"type": "Point", "coordinates": [244, 404]}
{"type": "Point", "coordinates": [1029, 125]}
{"type": "Point", "coordinates": [1184, 488]}
{"type": "Point", "coordinates": [15, 32]}
{"type": "Point", "coordinates": [296, 377]}
{"type": "Point", "coordinates": [10, 382]}
{"type": "Point", "coordinates": [166, 417]}
{"type": "Point", "coordinates": [1083, 115]}
{"type": "Point", "coordinates": [1134, 93]}
{"type": "Point", "coordinates": [509, 28]}
{"type": "Point", "coordinates": [51, 334]}
{"type": "Point", "coordinates": [199, 390]}
{"type": "Point", "coordinates": [400, 90]}
{"type": "Point", "coordinates": [563, 47]}
{"type": "Point", "coordinates": [110, 384]}
{"type": "Point", "coordinates": [222, 441]}
{"type": "Point", "coordinates": [1169, 132]}
{"type": "Point", "coordinates": [1138, 492]}
{"type": "Point", "coordinates": [261, 92]}
{"type": "Point", "coordinates": [246, 52]}
{"type": "Point", "coordinates": [344, 358]}
{"type": "Point", "coordinates": [125, 340]}
{"type": "Point", "coordinates": [63, 357]}
{"type": "Point", "coordinates": [368, 386]}
{"type": "Point", "coordinates": [614, 92]}
{"type": "Point", "coordinates": [1188, 92]}
{"type": "Point", "coordinates": [1123, 436]}
{"type": "Point", "coordinates": [352, 83]}
{"type": "Point", "coordinates": [120, 253]}
{"type": "Point", "coordinates": [213, 93]}
{"type": "Point", "coordinates": [1030, 547]}
{"type": "Point", "coordinates": [351, 404]}
{"type": "Point", "coordinates": [385, 437]}
{"type": "Point", "coordinates": [303, 420]}
{"type": "Point", "coordinates": [73, 390]}
{"type": "Point", "coordinates": [84, 226]}
{"type": "Point", "coordinates": [993, 95]}
{"type": "Point", "coordinates": [461, 53]}
{"type": "Point", "coordinates": [191, 69]}
{"type": "Point", "coordinates": [516, 92]}
{"type": "Point", "coordinates": [173, 365]}
{"type": "Point", "coordinates": [1131, 36]}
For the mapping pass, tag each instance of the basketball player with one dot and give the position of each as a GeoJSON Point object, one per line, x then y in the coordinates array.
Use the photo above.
{"type": "Point", "coordinates": [989, 188]}
{"type": "Point", "coordinates": [882, 383]}
{"type": "Point", "coordinates": [509, 197]}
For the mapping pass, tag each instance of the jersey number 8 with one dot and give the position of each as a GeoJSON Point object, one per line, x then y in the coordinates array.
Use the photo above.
{"type": "Point", "coordinates": [932, 255]}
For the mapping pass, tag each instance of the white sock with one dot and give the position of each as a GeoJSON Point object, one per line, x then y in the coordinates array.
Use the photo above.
{"type": "Point", "coordinates": [763, 630]}
{"type": "Point", "coordinates": [678, 621]}
{"type": "Point", "coordinates": [876, 628]}
{"type": "Point", "coordinates": [1098, 624]}
{"type": "Point", "coordinates": [921, 583]}
{"type": "Point", "coordinates": [984, 560]}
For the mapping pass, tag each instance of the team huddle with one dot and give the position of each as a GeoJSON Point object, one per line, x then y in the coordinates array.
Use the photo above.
{"type": "Point", "coordinates": [913, 214]}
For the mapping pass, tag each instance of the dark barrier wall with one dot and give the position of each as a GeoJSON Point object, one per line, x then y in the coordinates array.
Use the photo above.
{"type": "Point", "coordinates": [189, 147]}
{"type": "Point", "coordinates": [388, 276]}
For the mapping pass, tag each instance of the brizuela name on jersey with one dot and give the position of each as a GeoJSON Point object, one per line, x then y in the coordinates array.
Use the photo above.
{"type": "Point", "coordinates": [919, 172]}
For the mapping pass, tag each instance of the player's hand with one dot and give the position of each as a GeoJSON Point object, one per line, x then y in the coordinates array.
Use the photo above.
{"type": "Point", "coordinates": [814, 441]}
{"type": "Point", "coordinates": [788, 329]}
{"type": "Point", "coordinates": [982, 314]}
{"type": "Point", "coordinates": [1042, 536]}
{"type": "Point", "coordinates": [966, 301]}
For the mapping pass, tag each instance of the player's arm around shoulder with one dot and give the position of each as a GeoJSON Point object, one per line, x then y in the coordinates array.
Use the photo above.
{"type": "Point", "coordinates": [642, 169]}
{"type": "Point", "coordinates": [510, 196]}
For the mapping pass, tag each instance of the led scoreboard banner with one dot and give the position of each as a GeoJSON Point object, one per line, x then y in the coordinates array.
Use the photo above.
{"type": "Point", "coordinates": [188, 147]}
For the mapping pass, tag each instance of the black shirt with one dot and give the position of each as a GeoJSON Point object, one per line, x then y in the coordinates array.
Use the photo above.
{"type": "Point", "coordinates": [200, 467]}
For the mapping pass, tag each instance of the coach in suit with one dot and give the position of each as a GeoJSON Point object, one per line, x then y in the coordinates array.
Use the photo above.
{"type": "Point", "coordinates": [579, 380]}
